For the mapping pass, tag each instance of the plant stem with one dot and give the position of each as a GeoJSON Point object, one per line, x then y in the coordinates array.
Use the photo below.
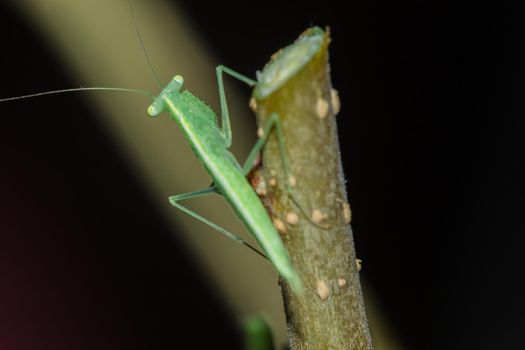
{"type": "Point", "coordinates": [330, 314]}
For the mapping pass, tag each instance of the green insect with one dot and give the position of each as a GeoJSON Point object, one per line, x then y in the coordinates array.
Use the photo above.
{"type": "Point", "coordinates": [210, 143]}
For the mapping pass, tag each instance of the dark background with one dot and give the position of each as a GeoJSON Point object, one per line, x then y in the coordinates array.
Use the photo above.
{"type": "Point", "coordinates": [431, 131]}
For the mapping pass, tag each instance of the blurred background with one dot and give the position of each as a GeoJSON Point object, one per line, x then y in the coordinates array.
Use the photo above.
{"type": "Point", "coordinates": [431, 129]}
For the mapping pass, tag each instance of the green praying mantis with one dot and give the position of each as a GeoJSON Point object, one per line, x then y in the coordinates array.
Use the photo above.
{"type": "Point", "coordinates": [210, 141]}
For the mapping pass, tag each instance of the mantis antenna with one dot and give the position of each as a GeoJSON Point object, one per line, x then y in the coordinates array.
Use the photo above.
{"type": "Point", "coordinates": [142, 46]}
{"type": "Point", "coordinates": [62, 91]}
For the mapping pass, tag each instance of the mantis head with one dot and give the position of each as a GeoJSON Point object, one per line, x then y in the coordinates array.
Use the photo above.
{"type": "Point", "coordinates": [158, 105]}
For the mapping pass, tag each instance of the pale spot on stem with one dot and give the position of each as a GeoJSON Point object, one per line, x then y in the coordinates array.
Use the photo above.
{"type": "Point", "coordinates": [253, 104]}
{"type": "Point", "coordinates": [279, 225]}
{"type": "Point", "coordinates": [318, 216]}
{"type": "Point", "coordinates": [347, 213]}
{"type": "Point", "coordinates": [341, 282]}
{"type": "Point", "coordinates": [292, 181]}
{"type": "Point", "coordinates": [292, 218]}
{"type": "Point", "coordinates": [358, 263]}
{"type": "Point", "coordinates": [336, 103]}
{"type": "Point", "coordinates": [261, 189]}
{"type": "Point", "coordinates": [322, 108]}
{"type": "Point", "coordinates": [322, 290]}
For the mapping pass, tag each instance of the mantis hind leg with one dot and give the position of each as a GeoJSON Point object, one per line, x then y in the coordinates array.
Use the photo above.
{"type": "Point", "coordinates": [174, 200]}
{"type": "Point", "coordinates": [225, 116]}
{"type": "Point", "coordinates": [274, 122]}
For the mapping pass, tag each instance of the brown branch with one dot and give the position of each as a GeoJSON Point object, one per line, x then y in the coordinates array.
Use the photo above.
{"type": "Point", "coordinates": [330, 313]}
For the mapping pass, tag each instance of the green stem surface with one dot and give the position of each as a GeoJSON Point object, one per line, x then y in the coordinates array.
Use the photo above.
{"type": "Point", "coordinates": [330, 314]}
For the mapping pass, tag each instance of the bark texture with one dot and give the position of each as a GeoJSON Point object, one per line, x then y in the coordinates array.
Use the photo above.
{"type": "Point", "coordinates": [330, 313]}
